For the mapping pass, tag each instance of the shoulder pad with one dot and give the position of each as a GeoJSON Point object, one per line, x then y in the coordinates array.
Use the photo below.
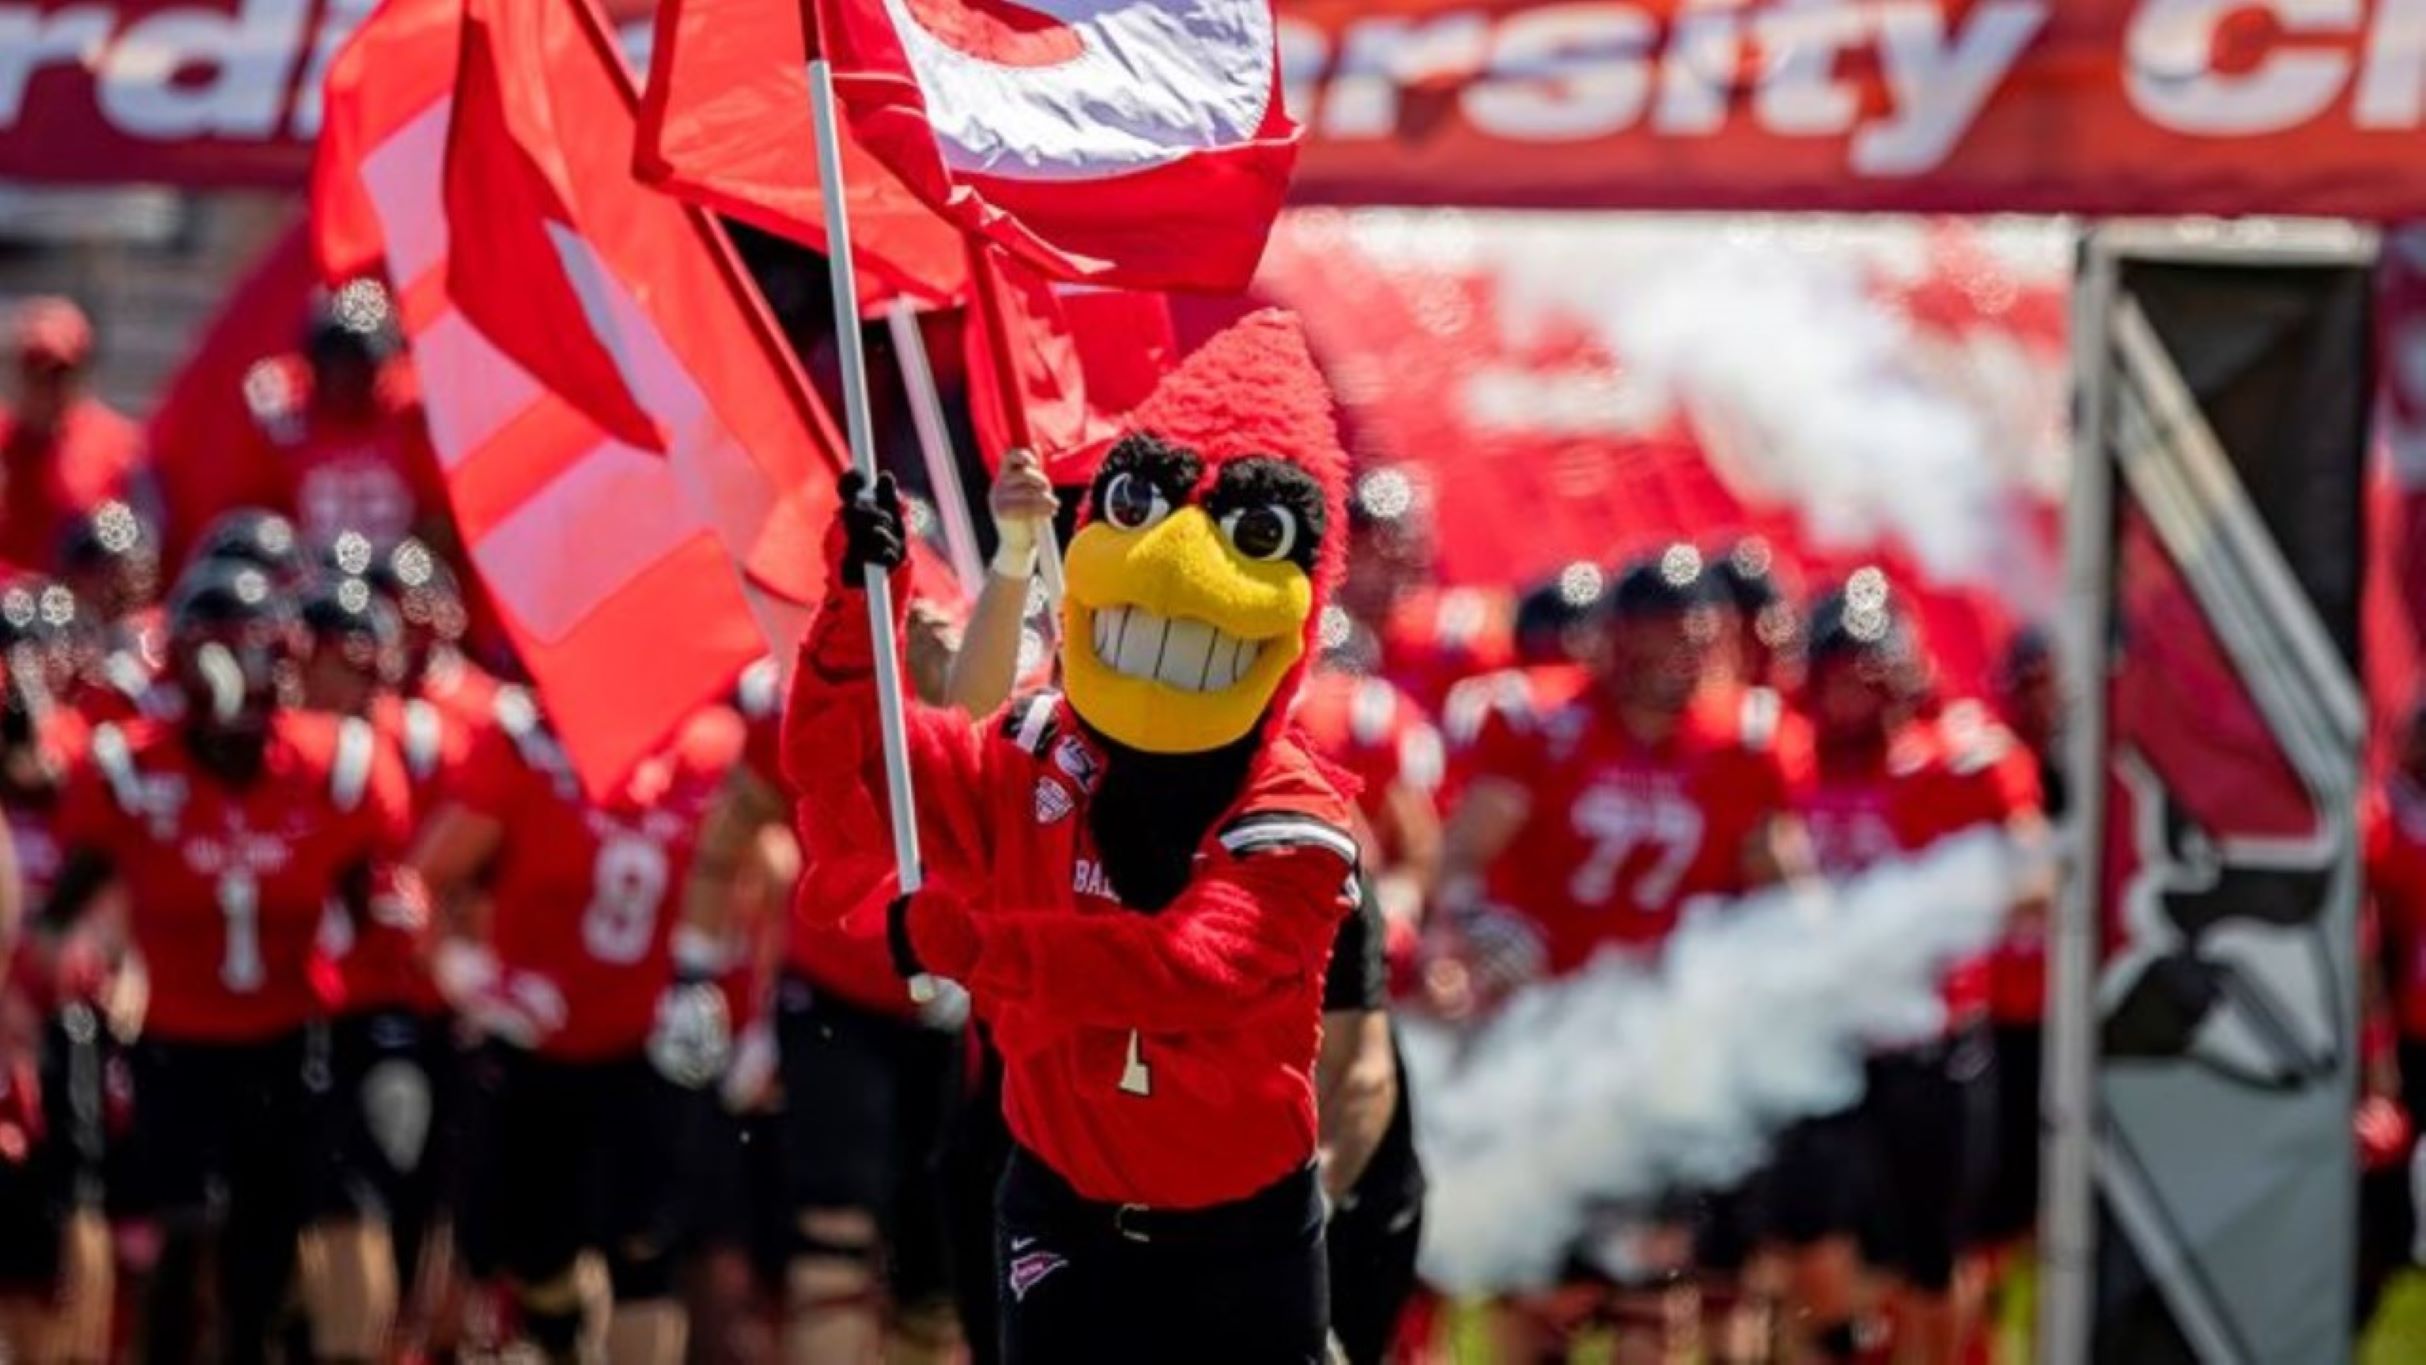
{"type": "Point", "coordinates": [424, 738]}
{"type": "Point", "coordinates": [515, 711]}
{"type": "Point", "coordinates": [518, 716]}
{"type": "Point", "coordinates": [1761, 711]}
{"type": "Point", "coordinates": [759, 694]}
{"type": "Point", "coordinates": [1029, 723]}
{"type": "Point", "coordinates": [116, 760]}
{"type": "Point", "coordinates": [1274, 831]}
{"type": "Point", "coordinates": [1371, 708]}
{"type": "Point", "coordinates": [350, 765]}
{"type": "Point", "coordinates": [1460, 617]}
{"type": "Point", "coordinates": [1421, 762]}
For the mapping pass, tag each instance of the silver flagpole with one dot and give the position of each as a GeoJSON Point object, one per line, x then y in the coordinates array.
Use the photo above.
{"type": "Point", "coordinates": [889, 704]}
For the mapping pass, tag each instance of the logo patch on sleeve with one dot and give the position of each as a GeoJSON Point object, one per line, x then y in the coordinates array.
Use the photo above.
{"type": "Point", "coordinates": [1053, 801]}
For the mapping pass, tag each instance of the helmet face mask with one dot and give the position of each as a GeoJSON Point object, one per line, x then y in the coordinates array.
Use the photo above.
{"type": "Point", "coordinates": [1861, 669]}
{"type": "Point", "coordinates": [231, 642]}
{"type": "Point", "coordinates": [353, 647]}
{"type": "Point", "coordinates": [1659, 625]}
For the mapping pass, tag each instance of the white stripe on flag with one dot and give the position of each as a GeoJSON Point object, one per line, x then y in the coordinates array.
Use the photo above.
{"type": "Point", "coordinates": [601, 524]}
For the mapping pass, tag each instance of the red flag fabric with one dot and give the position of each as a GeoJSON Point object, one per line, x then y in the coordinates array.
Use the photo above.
{"type": "Point", "coordinates": [596, 552]}
{"type": "Point", "coordinates": [1055, 367]}
{"type": "Point", "coordinates": [1140, 145]}
{"type": "Point", "coordinates": [507, 186]}
{"type": "Point", "coordinates": [416, 43]}
{"type": "Point", "coordinates": [725, 123]}
{"type": "Point", "coordinates": [1026, 384]}
{"type": "Point", "coordinates": [207, 454]}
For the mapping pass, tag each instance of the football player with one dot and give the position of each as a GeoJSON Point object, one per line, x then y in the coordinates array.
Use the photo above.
{"type": "Point", "coordinates": [1888, 784]}
{"type": "Point", "coordinates": [55, 1053]}
{"type": "Point", "coordinates": [569, 963]}
{"type": "Point", "coordinates": [390, 1046]}
{"type": "Point", "coordinates": [230, 832]}
{"type": "Point", "coordinates": [350, 444]}
{"type": "Point", "coordinates": [1594, 826]}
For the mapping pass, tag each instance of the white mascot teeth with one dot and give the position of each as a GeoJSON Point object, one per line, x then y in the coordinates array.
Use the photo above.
{"type": "Point", "coordinates": [1181, 654]}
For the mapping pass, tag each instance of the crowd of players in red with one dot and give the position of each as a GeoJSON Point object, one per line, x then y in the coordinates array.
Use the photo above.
{"type": "Point", "coordinates": [339, 1020]}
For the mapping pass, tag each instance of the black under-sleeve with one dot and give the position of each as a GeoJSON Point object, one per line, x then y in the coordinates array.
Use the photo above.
{"type": "Point", "coordinates": [1358, 979]}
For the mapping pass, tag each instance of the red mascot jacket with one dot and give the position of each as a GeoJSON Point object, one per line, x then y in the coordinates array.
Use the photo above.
{"type": "Point", "coordinates": [1162, 1059]}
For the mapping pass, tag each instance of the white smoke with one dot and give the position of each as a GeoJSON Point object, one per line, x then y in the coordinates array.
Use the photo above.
{"type": "Point", "coordinates": [1618, 1083]}
{"type": "Point", "coordinates": [1806, 386]}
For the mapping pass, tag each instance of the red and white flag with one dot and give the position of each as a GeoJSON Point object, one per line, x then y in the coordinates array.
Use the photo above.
{"type": "Point", "coordinates": [635, 584]}
{"type": "Point", "coordinates": [725, 123]}
{"type": "Point", "coordinates": [1140, 144]}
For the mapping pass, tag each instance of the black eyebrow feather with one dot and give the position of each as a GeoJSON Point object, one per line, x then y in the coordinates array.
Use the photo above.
{"type": "Point", "coordinates": [1173, 470]}
{"type": "Point", "coordinates": [1270, 481]}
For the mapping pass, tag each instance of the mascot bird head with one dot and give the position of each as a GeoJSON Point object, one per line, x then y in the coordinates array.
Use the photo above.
{"type": "Point", "coordinates": [1210, 540]}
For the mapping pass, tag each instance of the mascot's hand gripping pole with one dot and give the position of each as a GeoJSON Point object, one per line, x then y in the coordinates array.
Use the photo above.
{"type": "Point", "coordinates": [889, 704]}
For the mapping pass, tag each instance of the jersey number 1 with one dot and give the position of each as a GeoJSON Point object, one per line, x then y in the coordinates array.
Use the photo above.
{"type": "Point", "coordinates": [1135, 1078]}
{"type": "Point", "coordinates": [240, 967]}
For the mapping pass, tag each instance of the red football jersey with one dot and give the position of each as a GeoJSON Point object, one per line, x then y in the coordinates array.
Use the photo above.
{"type": "Point", "coordinates": [587, 894]}
{"type": "Point", "coordinates": [227, 887]}
{"type": "Point", "coordinates": [376, 473]}
{"type": "Point", "coordinates": [391, 971]}
{"type": "Point", "coordinates": [1373, 730]}
{"type": "Point", "coordinates": [1515, 698]}
{"type": "Point", "coordinates": [816, 946]}
{"type": "Point", "coordinates": [460, 688]}
{"type": "Point", "coordinates": [1932, 780]}
{"type": "Point", "coordinates": [1163, 1059]}
{"type": "Point", "coordinates": [1436, 638]}
{"type": "Point", "coordinates": [2394, 834]}
{"type": "Point", "coordinates": [1621, 834]}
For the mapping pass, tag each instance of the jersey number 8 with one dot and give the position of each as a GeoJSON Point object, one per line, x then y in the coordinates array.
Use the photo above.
{"type": "Point", "coordinates": [629, 882]}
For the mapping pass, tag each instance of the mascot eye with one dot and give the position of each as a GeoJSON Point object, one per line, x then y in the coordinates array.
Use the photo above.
{"type": "Point", "coordinates": [1262, 533]}
{"type": "Point", "coordinates": [1133, 504]}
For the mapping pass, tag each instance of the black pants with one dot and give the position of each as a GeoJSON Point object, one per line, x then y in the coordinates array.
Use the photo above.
{"type": "Point", "coordinates": [229, 1136]}
{"type": "Point", "coordinates": [391, 1156]}
{"type": "Point", "coordinates": [1372, 1240]}
{"type": "Point", "coordinates": [575, 1156]}
{"type": "Point", "coordinates": [1929, 1121]}
{"type": "Point", "coordinates": [867, 1095]}
{"type": "Point", "coordinates": [1238, 1284]}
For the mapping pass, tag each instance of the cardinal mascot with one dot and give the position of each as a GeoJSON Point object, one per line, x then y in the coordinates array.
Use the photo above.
{"type": "Point", "coordinates": [1138, 879]}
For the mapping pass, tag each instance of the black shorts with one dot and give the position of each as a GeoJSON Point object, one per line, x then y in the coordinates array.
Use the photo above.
{"type": "Point", "coordinates": [1732, 1224]}
{"type": "Point", "coordinates": [745, 1195]}
{"type": "Point", "coordinates": [865, 1100]}
{"type": "Point", "coordinates": [391, 1089]}
{"type": "Point", "coordinates": [61, 1170]}
{"type": "Point", "coordinates": [2012, 1209]}
{"type": "Point", "coordinates": [570, 1157]}
{"type": "Point", "coordinates": [1928, 1119]}
{"type": "Point", "coordinates": [229, 1126]}
{"type": "Point", "coordinates": [1373, 1238]}
{"type": "Point", "coordinates": [1819, 1181]}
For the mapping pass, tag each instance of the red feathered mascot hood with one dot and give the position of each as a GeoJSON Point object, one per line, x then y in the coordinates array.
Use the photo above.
{"type": "Point", "coordinates": [1212, 537]}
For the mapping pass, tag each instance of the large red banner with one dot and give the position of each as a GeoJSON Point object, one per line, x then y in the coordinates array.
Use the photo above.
{"type": "Point", "coordinates": [2095, 106]}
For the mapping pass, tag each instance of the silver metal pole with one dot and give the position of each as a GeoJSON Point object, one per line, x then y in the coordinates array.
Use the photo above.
{"type": "Point", "coordinates": [2067, 1211]}
{"type": "Point", "coordinates": [889, 704]}
{"type": "Point", "coordinates": [935, 445]}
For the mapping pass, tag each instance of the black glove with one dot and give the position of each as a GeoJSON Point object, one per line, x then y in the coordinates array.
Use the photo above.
{"type": "Point", "coordinates": [872, 532]}
{"type": "Point", "coordinates": [897, 939]}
